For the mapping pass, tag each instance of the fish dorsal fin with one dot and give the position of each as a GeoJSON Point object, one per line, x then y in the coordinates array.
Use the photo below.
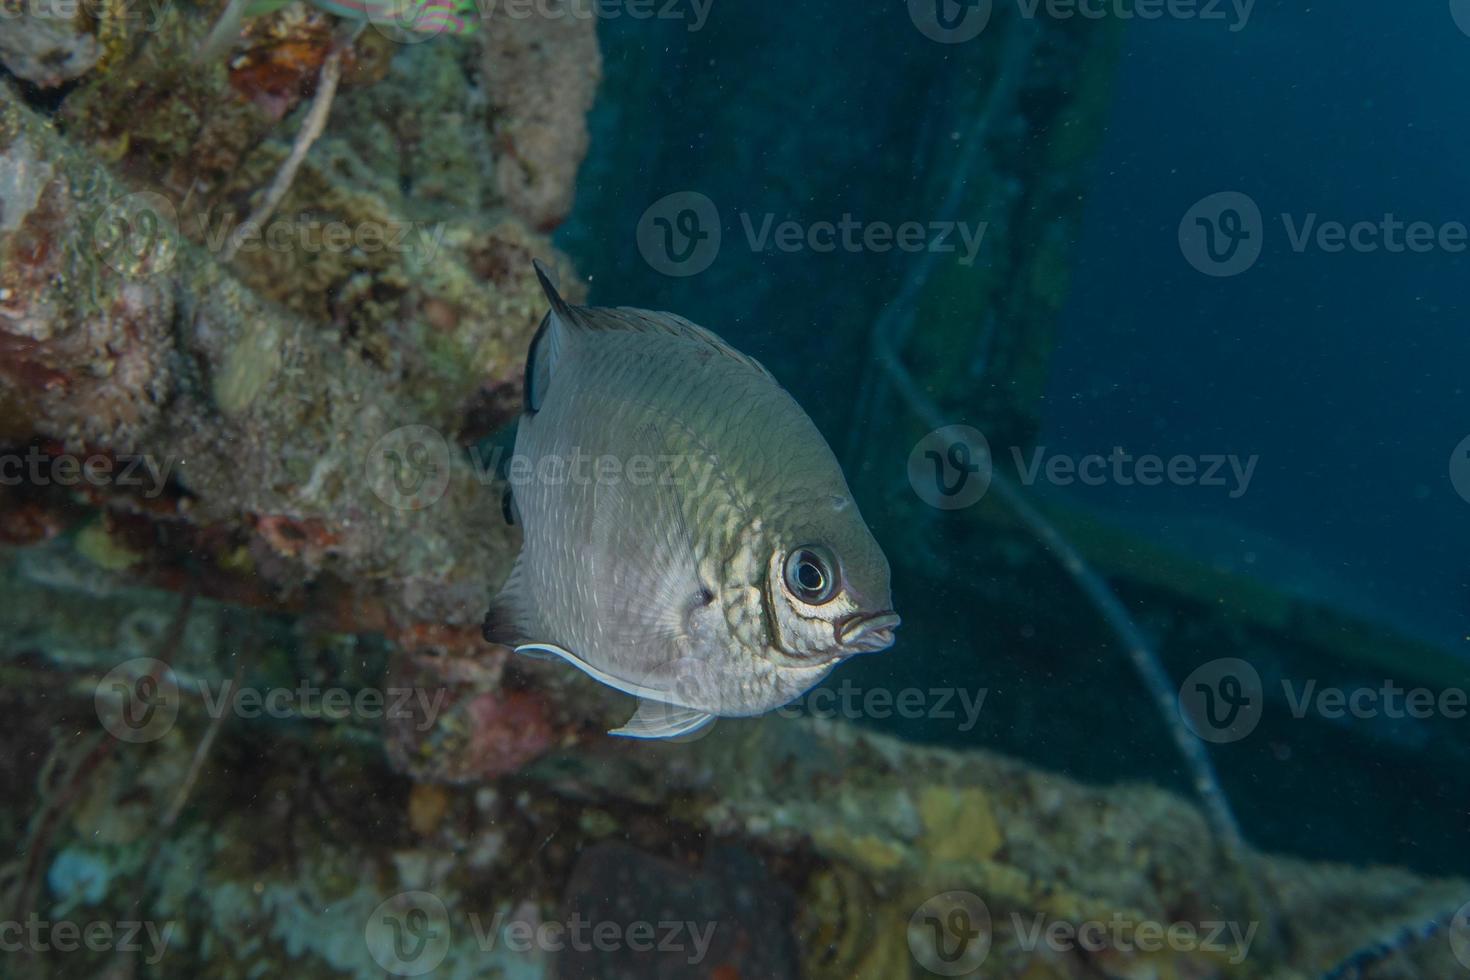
{"type": "Point", "coordinates": [550, 339]}
{"type": "Point", "coordinates": [547, 278]}
{"type": "Point", "coordinates": [546, 346]}
{"type": "Point", "coordinates": [653, 322]}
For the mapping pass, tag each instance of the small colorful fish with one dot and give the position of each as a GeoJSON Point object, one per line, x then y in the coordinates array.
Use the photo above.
{"type": "Point", "coordinates": [710, 560]}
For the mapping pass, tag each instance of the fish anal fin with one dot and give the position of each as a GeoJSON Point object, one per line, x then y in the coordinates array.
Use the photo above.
{"type": "Point", "coordinates": [657, 719]}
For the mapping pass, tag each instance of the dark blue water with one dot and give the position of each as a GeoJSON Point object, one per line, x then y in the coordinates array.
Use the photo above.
{"type": "Point", "coordinates": [1340, 373]}
{"type": "Point", "coordinates": [1344, 372]}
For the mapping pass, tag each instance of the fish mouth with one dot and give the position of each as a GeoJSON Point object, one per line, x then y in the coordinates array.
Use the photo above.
{"type": "Point", "coordinates": [867, 634]}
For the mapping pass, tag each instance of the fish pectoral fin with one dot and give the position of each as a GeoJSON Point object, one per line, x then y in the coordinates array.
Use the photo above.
{"type": "Point", "coordinates": [658, 719]}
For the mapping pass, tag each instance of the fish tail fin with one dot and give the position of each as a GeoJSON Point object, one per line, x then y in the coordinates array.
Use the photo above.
{"type": "Point", "coordinates": [505, 621]}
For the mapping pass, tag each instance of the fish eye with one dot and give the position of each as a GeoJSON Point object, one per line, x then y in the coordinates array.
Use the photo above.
{"type": "Point", "coordinates": [811, 574]}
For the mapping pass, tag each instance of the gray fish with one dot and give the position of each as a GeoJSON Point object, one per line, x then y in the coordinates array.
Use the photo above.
{"type": "Point", "coordinates": [688, 535]}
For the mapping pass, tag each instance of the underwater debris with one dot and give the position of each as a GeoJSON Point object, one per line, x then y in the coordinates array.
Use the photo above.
{"type": "Point", "coordinates": [248, 431]}
{"type": "Point", "coordinates": [284, 819]}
